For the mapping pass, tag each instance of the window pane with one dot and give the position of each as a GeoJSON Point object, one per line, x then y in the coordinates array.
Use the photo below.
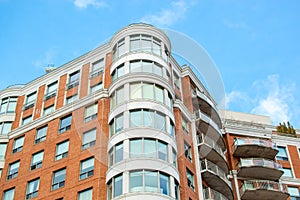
{"type": "Point", "coordinates": [135, 91]}
{"type": "Point", "coordinates": [31, 97]}
{"type": "Point", "coordinates": [74, 77]}
{"type": "Point", "coordinates": [6, 127]}
{"type": "Point", "coordinates": [119, 153]}
{"type": "Point", "coordinates": [160, 121]}
{"type": "Point", "coordinates": [41, 133]}
{"type": "Point", "coordinates": [121, 70]}
{"type": "Point", "coordinates": [148, 118]}
{"type": "Point", "coordinates": [52, 87]}
{"type": "Point", "coordinates": [157, 69]}
{"type": "Point", "coordinates": [150, 148]}
{"type": "Point", "coordinates": [4, 105]}
{"type": "Point", "coordinates": [164, 184]}
{"type": "Point", "coordinates": [293, 191]}
{"type": "Point", "coordinates": [118, 186]}
{"type": "Point", "coordinates": [162, 151]}
{"type": "Point", "coordinates": [87, 165]}
{"type": "Point", "coordinates": [134, 42]}
{"type": "Point", "coordinates": [2, 151]}
{"type": "Point", "coordinates": [159, 94]}
{"type": "Point", "coordinates": [36, 158]}
{"type": "Point", "coordinates": [135, 148]}
{"type": "Point", "coordinates": [148, 91]}
{"type": "Point", "coordinates": [119, 123]}
{"type": "Point", "coordinates": [136, 181]}
{"type": "Point", "coordinates": [85, 195]}
{"type": "Point", "coordinates": [12, 104]}
{"type": "Point", "coordinates": [65, 123]}
{"type": "Point", "coordinates": [32, 188]}
{"type": "Point", "coordinates": [147, 66]}
{"type": "Point", "coordinates": [91, 110]}
{"type": "Point", "coordinates": [9, 194]}
{"type": "Point", "coordinates": [151, 181]}
{"type": "Point", "coordinates": [120, 95]}
{"type": "Point", "coordinates": [135, 66]}
{"type": "Point", "coordinates": [156, 47]}
{"type": "Point", "coordinates": [19, 142]}
{"type": "Point", "coordinates": [287, 172]}
{"type": "Point", "coordinates": [146, 43]}
{"type": "Point", "coordinates": [89, 136]}
{"type": "Point", "coordinates": [59, 176]}
{"type": "Point", "coordinates": [136, 118]}
{"type": "Point", "coordinates": [98, 65]}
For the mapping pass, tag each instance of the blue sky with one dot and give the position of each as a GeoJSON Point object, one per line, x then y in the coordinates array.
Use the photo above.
{"type": "Point", "coordinates": [255, 44]}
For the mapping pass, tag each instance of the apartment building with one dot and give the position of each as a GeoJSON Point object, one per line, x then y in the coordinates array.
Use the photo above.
{"type": "Point", "coordinates": [126, 121]}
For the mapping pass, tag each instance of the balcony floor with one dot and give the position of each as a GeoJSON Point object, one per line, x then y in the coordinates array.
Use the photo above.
{"type": "Point", "coordinates": [253, 150]}
{"type": "Point", "coordinates": [264, 194]}
{"type": "Point", "coordinates": [259, 172]}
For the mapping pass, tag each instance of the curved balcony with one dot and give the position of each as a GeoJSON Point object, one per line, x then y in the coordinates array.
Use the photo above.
{"type": "Point", "coordinates": [250, 147]}
{"type": "Point", "coordinates": [212, 151]}
{"type": "Point", "coordinates": [216, 178]}
{"type": "Point", "coordinates": [210, 194]}
{"type": "Point", "coordinates": [208, 127]}
{"type": "Point", "coordinates": [204, 104]}
{"type": "Point", "coordinates": [267, 190]}
{"type": "Point", "coordinates": [259, 168]}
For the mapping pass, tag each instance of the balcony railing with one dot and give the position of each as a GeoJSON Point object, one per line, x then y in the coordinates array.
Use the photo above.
{"type": "Point", "coordinates": [29, 105]}
{"type": "Point", "coordinates": [72, 84]}
{"type": "Point", "coordinates": [263, 185]}
{"type": "Point", "coordinates": [209, 193]}
{"type": "Point", "coordinates": [208, 165]}
{"type": "Point", "coordinates": [96, 73]}
{"type": "Point", "coordinates": [201, 138]}
{"type": "Point", "coordinates": [259, 162]}
{"type": "Point", "coordinates": [49, 95]}
{"type": "Point", "coordinates": [251, 141]}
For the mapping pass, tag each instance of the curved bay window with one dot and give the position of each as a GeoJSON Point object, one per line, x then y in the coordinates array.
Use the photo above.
{"type": "Point", "coordinates": [145, 43]}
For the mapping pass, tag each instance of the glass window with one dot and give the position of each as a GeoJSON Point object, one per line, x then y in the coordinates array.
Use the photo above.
{"type": "Point", "coordinates": [159, 94]}
{"type": "Point", "coordinates": [162, 151]}
{"type": "Point", "coordinates": [48, 110]}
{"type": "Point", "coordinates": [156, 47]}
{"type": "Point", "coordinates": [96, 87]}
{"type": "Point", "coordinates": [86, 168]}
{"type": "Point", "coordinates": [160, 121]}
{"type": "Point", "coordinates": [2, 150]}
{"type": "Point", "coordinates": [37, 160]}
{"type": "Point", "coordinates": [32, 188]}
{"type": "Point", "coordinates": [136, 148]}
{"type": "Point", "coordinates": [118, 72]}
{"type": "Point", "coordinates": [65, 124]}
{"type": "Point", "coordinates": [118, 185]}
{"type": "Point", "coordinates": [119, 153]}
{"type": "Point", "coordinates": [120, 95]}
{"type": "Point", "coordinates": [135, 66]}
{"type": "Point", "coordinates": [98, 66]}
{"type": "Point", "coordinates": [148, 118]}
{"type": "Point", "coordinates": [8, 105]}
{"type": "Point", "coordinates": [136, 118]}
{"type": "Point", "coordinates": [187, 151]}
{"type": "Point", "coordinates": [18, 144]}
{"type": "Point", "coordinates": [151, 181]}
{"type": "Point", "coordinates": [150, 148]}
{"type": "Point", "coordinates": [134, 42]}
{"type": "Point", "coordinates": [119, 123]}
{"type": "Point", "coordinates": [148, 90]}
{"type": "Point", "coordinates": [146, 43]}
{"type": "Point", "coordinates": [41, 134]}
{"type": "Point", "coordinates": [90, 112]}
{"type": "Point", "coordinates": [58, 179]}
{"type": "Point", "coordinates": [9, 194]}
{"type": "Point", "coordinates": [294, 193]}
{"type": "Point", "coordinates": [62, 150]}
{"type": "Point", "coordinates": [176, 81]}
{"type": "Point", "coordinates": [281, 155]}
{"type": "Point", "coordinates": [287, 172]}
{"type": "Point", "coordinates": [147, 66]}
{"type": "Point", "coordinates": [13, 170]}
{"type": "Point", "coordinates": [74, 77]}
{"type": "Point", "coordinates": [31, 98]}
{"type": "Point", "coordinates": [190, 179]}
{"type": "Point", "coordinates": [135, 91]}
{"type": "Point", "coordinates": [136, 181]}
{"type": "Point", "coordinates": [121, 46]}
{"type": "Point", "coordinates": [158, 70]}
{"type": "Point", "coordinates": [174, 158]}
{"type": "Point", "coordinates": [26, 120]}
{"type": "Point", "coordinates": [86, 194]}
{"type": "Point", "coordinates": [164, 184]}
{"type": "Point", "coordinates": [5, 128]}
{"type": "Point", "coordinates": [185, 125]}
{"type": "Point", "coordinates": [52, 88]}
{"type": "Point", "coordinates": [71, 99]}
{"type": "Point", "coordinates": [89, 139]}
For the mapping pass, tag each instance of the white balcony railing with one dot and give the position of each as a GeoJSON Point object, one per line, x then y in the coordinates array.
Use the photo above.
{"type": "Point", "coordinates": [259, 162]}
{"type": "Point", "coordinates": [210, 166]}
{"type": "Point", "coordinates": [201, 138]}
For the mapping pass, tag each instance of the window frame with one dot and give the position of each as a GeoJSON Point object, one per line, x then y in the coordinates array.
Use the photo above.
{"type": "Point", "coordinates": [34, 193]}
{"type": "Point", "coordinates": [67, 127]}
{"type": "Point", "coordinates": [64, 154]}
{"type": "Point", "coordinates": [87, 173]}
{"type": "Point", "coordinates": [18, 148]}
{"type": "Point", "coordinates": [60, 183]}
{"type": "Point", "coordinates": [38, 164]}
{"type": "Point", "coordinates": [90, 143]}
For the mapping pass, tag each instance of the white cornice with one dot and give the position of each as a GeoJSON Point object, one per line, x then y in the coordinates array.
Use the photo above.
{"type": "Point", "coordinates": [58, 113]}
{"type": "Point", "coordinates": [179, 104]}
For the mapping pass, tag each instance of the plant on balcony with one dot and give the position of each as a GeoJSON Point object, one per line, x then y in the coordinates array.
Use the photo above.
{"type": "Point", "coordinates": [286, 129]}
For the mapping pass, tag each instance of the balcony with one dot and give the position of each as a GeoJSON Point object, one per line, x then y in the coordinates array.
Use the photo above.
{"type": "Point", "coordinates": [210, 194]}
{"type": "Point", "coordinates": [216, 178]}
{"type": "Point", "coordinates": [259, 168]}
{"type": "Point", "coordinates": [267, 190]}
{"type": "Point", "coordinates": [212, 151]}
{"type": "Point", "coordinates": [204, 104]}
{"type": "Point", "coordinates": [250, 147]}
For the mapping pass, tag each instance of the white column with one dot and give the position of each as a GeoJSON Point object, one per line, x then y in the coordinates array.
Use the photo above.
{"type": "Point", "coordinates": [236, 185]}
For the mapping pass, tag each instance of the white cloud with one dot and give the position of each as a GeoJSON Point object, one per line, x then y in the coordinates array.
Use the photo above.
{"type": "Point", "coordinates": [234, 25]}
{"type": "Point", "coordinates": [278, 101]}
{"type": "Point", "coordinates": [267, 97]}
{"type": "Point", "coordinates": [85, 3]}
{"type": "Point", "coordinates": [169, 16]}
